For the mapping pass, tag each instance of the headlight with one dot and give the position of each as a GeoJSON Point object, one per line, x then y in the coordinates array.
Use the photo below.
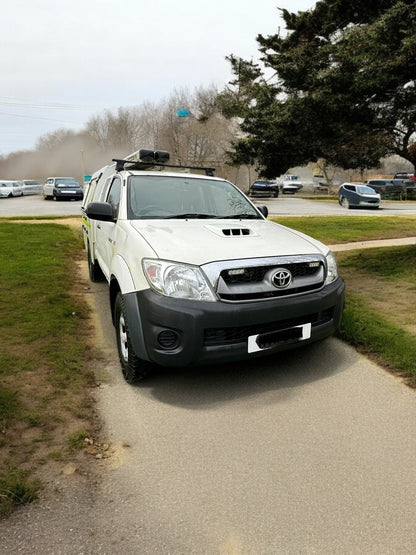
{"type": "Point", "coordinates": [332, 268]}
{"type": "Point", "coordinates": [177, 280]}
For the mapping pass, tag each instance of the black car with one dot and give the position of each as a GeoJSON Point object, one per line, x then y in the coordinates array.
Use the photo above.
{"type": "Point", "coordinates": [388, 188]}
{"type": "Point", "coordinates": [60, 188]}
{"type": "Point", "coordinates": [264, 189]}
{"type": "Point", "coordinates": [356, 195]}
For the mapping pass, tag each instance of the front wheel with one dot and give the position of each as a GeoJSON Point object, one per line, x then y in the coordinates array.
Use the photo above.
{"type": "Point", "coordinates": [344, 203]}
{"type": "Point", "coordinates": [134, 369]}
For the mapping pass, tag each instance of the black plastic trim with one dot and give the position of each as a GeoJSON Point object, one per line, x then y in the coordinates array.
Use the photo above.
{"type": "Point", "coordinates": [150, 313]}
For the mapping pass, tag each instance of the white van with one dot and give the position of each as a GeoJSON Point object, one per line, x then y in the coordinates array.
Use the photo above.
{"type": "Point", "coordinates": [196, 272]}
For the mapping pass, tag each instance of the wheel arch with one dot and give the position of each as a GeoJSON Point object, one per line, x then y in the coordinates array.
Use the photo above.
{"type": "Point", "coordinates": [132, 316]}
{"type": "Point", "coordinates": [121, 281]}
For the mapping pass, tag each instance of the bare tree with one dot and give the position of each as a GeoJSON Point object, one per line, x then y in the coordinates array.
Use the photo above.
{"type": "Point", "coordinates": [200, 138]}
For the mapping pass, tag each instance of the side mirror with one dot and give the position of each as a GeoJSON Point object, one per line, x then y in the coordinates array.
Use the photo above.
{"type": "Point", "coordinates": [264, 210]}
{"type": "Point", "coordinates": [100, 211]}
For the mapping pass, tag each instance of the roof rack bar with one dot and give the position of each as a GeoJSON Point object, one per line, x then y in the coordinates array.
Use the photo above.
{"type": "Point", "coordinates": [137, 165]}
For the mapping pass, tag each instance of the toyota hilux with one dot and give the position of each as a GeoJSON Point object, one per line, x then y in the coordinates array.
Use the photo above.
{"type": "Point", "coordinates": [197, 274]}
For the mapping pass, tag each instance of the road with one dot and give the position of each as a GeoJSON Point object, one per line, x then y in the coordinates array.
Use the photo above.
{"type": "Point", "coordinates": [285, 205]}
{"type": "Point", "coordinates": [288, 205]}
{"type": "Point", "coordinates": [37, 205]}
{"type": "Point", "coordinates": [308, 452]}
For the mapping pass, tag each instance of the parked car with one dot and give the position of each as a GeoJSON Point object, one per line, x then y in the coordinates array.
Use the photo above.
{"type": "Point", "coordinates": [351, 195]}
{"type": "Point", "coordinates": [31, 187]}
{"type": "Point", "coordinates": [321, 186]}
{"type": "Point", "coordinates": [291, 184]}
{"type": "Point", "coordinates": [388, 188]}
{"type": "Point", "coordinates": [197, 274]}
{"type": "Point", "coordinates": [264, 189]}
{"type": "Point", "coordinates": [11, 188]}
{"type": "Point", "coordinates": [405, 176]}
{"type": "Point", "coordinates": [62, 188]}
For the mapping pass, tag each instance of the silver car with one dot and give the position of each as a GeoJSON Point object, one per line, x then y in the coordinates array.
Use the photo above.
{"type": "Point", "coordinates": [32, 187]}
{"type": "Point", "coordinates": [11, 188]}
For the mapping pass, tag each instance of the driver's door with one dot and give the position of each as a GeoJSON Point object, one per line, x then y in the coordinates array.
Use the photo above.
{"type": "Point", "coordinates": [105, 231]}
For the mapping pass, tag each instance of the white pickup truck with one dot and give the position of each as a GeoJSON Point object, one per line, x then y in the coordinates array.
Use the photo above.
{"type": "Point", "coordinates": [196, 272]}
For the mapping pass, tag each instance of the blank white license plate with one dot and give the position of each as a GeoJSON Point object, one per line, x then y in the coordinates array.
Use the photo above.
{"type": "Point", "coordinates": [264, 341]}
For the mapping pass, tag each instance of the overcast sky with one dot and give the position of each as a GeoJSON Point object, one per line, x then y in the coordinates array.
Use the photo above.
{"type": "Point", "coordinates": [62, 62]}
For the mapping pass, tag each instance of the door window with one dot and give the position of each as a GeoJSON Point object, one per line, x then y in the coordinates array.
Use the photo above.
{"type": "Point", "coordinates": [113, 196]}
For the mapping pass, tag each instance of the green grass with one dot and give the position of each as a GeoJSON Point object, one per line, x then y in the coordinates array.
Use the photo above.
{"type": "Point", "coordinates": [43, 358]}
{"type": "Point", "coordinates": [17, 488]}
{"type": "Point", "coordinates": [345, 229]}
{"type": "Point", "coordinates": [36, 300]}
{"type": "Point", "coordinates": [77, 440]}
{"type": "Point", "coordinates": [373, 334]}
{"type": "Point", "coordinates": [383, 330]}
{"type": "Point", "coordinates": [383, 264]}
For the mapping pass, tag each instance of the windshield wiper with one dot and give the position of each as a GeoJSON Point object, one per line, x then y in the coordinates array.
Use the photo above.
{"type": "Point", "coordinates": [191, 215]}
{"type": "Point", "coordinates": [241, 217]}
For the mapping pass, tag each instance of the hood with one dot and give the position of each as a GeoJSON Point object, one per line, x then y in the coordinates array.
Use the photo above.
{"type": "Point", "coordinates": [199, 242]}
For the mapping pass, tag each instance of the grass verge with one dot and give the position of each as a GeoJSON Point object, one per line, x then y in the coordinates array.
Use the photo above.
{"type": "Point", "coordinates": [380, 313]}
{"type": "Point", "coordinates": [45, 382]}
{"type": "Point", "coordinates": [346, 229]}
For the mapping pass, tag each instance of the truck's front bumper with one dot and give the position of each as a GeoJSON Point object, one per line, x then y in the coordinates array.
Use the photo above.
{"type": "Point", "coordinates": [176, 332]}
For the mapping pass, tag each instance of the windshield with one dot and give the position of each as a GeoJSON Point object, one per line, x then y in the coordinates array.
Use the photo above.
{"type": "Point", "coordinates": [66, 183]}
{"type": "Point", "coordinates": [365, 190]}
{"type": "Point", "coordinates": [263, 183]}
{"type": "Point", "coordinates": [165, 197]}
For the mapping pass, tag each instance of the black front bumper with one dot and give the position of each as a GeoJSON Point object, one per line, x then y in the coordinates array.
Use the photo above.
{"type": "Point", "coordinates": [219, 332]}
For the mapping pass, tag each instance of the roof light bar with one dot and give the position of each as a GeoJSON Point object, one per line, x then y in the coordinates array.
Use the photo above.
{"type": "Point", "coordinates": [145, 158]}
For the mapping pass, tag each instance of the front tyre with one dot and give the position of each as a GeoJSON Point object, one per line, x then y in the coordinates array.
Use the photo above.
{"type": "Point", "coordinates": [345, 203]}
{"type": "Point", "coordinates": [134, 369]}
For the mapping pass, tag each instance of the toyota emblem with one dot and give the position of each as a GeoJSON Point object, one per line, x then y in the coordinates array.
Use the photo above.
{"type": "Point", "coordinates": [282, 278]}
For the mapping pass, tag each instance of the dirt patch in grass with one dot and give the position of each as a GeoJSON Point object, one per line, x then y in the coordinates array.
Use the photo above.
{"type": "Point", "coordinates": [395, 300]}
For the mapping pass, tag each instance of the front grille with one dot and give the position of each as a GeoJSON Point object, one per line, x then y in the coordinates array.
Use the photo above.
{"type": "Point", "coordinates": [267, 294]}
{"type": "Point", "coordinates": [254, 279]}
{"type": "Point", "coordinates": [238, 334]}
{"type": "Point", "coordinates": [257, 273]}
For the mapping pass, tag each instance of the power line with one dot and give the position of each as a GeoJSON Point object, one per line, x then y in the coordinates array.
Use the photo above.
{"type": "Point", "coordinates": [7, 101]}
{"type": "Point", "coordinates": [38, 117]}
